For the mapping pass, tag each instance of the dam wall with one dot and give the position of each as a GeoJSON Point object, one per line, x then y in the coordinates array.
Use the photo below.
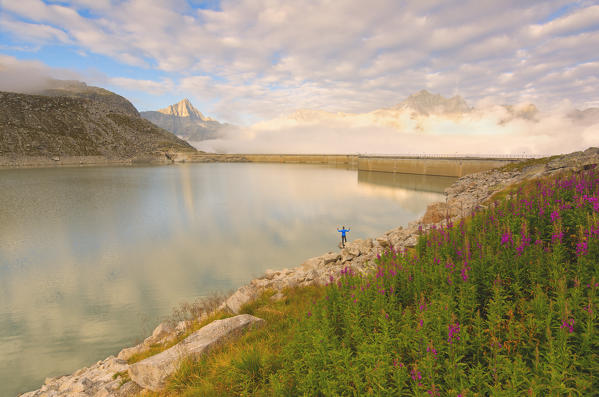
{"type": "Point", "coordinates": [420, 165]}
{"type": "Point", "coordinates": [449, 166]}
{"type": "Point", "coordinates": [332, 159]}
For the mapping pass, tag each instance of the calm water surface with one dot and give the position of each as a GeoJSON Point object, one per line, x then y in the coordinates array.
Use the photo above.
{"type": "Point", "coordinates": [91, 259]}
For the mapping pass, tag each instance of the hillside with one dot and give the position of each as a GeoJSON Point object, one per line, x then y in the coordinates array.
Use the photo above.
{"type": "Point", "coordinates": [78, 89]}
{"type": "Point", "coordinates": [87, 122]}
{"type": "Point", "coordinates": [185, 121]}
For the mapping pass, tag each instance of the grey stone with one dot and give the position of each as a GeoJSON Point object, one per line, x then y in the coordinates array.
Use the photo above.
{"type": "Point", "coordinates": [242, 296]}
{"type": "Point", "coordinates": [270, 274]}
{"type": "Point", "coordinates": [129, 352]}
{"type": "Point", "coordinates": [411, 241]}
{"type": "Point", "coordinates": [277, 297]}
{"type": "Point", "coordinates": [330, 257]}
{"type": "Point", "coordinates": [312, 263]}
{"type": "Point", "coordinates": [161, 331]}
{"type": "Point", "coordinates": [152, 372]}
{"type": "Point", "coordinates": [383, 241]}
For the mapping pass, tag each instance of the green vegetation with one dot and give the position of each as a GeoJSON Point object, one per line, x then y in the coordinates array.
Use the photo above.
{"type": "Point", "coordinates": [503, 303]}
{"type": "Point", "coordinates": [124, 375]}
{"type": "Point", "coordinates": [252, 364]}
{"type": "Point", "coordinates": [520, 165]}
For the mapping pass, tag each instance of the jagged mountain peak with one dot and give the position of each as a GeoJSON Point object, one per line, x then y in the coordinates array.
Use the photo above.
{"type": "Point", "coordinates": [424, 102]}
{"type": "Point", "coordinates": [184, 108]}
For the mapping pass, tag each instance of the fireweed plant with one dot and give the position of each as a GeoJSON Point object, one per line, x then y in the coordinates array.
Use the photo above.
{"type": "Point", "coordinates": [503, 303]}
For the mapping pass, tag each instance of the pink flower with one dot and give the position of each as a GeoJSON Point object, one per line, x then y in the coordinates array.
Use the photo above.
{"type": "Point", "coordinates": [582, 248]}
{"type": "Point", "coordinates": [569, 324]}
{"type": "Point", "coordinates": [453, 332]}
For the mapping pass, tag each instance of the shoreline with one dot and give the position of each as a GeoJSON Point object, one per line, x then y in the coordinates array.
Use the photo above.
{"type": "Point", "coordinates": [447, 165]}
{"type": "Point", "coordinates": [157, 158]}
{"type": "Point", "coordinates": [462, 197]}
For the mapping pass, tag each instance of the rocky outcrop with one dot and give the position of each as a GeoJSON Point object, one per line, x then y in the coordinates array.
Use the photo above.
{"type": "Point", "coordinates": [463, 197]}
{"type": "Point", "coordinates": [99, 380]}
{"type": "Point", "coordinates": [164, 333]}
{"type": "Point", "coordinates": [152, 372]}
{"type": "Point", "coordinates": [475, 190]}
{"type": "Point", "coordinates": [65, 126]}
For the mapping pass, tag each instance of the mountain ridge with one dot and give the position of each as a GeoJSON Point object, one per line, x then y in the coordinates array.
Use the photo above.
{"type": "Point", "coordinates": [425, 103]}
{"type": "Point", "coordinates": [184, 108]}
{"type": "Point", "coordinates": [186, 122]}
{"type": "Point", "coordinates": [73, 125]}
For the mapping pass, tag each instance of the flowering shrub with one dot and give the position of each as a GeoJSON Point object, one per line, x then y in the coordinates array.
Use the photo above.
{"type": "Point", "coordinates": [501, 303]}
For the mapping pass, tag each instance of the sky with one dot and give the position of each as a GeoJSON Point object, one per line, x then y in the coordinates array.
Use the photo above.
{"type": "Point", "coordinates": [244, 61]}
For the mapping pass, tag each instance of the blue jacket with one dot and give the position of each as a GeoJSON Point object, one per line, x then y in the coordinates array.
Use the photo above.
{"type": "Point", "coordinates": [343, 231]}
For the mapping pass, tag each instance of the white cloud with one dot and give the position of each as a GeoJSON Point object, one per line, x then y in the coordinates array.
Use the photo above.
{"type": "Point", "coordinates": [487, 130]}
{"type": "Point", "coordinates": [150, 86]}
{"type": "Point", "coordinates": [583, 18]}
{"type": "Point", "coordinates": [259, 58]}
{"type": "Point", "coordinates": [27, 76]}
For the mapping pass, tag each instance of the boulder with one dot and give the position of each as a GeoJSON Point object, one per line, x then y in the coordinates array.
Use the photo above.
{"type": "Point", "coordinates": [129, 352]}
{"type": "Point", "coordinates": [346, 255]}
{"type": "Point", "coordinates": [152, 372]}
{"type": "Point", "coordinates": [435, 212]}
{"type": "Point", "coordinates": [162, 331]}
{"type": "Point", "coordinates": [242, 296]}
{"type": "Point", "coordinates": [270, 274]}
{"type": "Point", "coordinates": [313, 263]}
{"type": "Point", "coordinates": [330, 257]}
{"type": "Point", "coordinates": [411, 241]}
{"type": "Point", "coordinates": [383, 241]}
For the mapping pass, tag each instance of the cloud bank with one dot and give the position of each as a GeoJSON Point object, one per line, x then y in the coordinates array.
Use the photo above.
{"type": "Point", "coordinates": [29, 76]}
{"type": "Point", "coordinates": [492, 130]}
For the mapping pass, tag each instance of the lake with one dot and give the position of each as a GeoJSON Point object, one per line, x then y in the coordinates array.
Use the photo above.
{"type": "Point", "coordinates": [92, 259]}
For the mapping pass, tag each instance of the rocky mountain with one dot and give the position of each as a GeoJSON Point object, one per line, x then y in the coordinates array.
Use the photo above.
{"type": "Point", "coordinates": [425, 103]}
{"type": "Point", "coordinates": [86, 121]}
{"type": "Point", "coordinates": [185, 121]}
{"type": "Point", "coordinates": [78, 89]}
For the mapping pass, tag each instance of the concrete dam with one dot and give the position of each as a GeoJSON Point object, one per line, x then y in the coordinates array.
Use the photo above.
{"type": "Point", "coordinates": [420, 165]}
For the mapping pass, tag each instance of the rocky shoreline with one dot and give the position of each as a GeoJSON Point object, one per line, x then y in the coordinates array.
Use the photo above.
{"type": "Point", "coordinates": [469, 192]}
{"type": "Point", "coordinates": [158, 158]}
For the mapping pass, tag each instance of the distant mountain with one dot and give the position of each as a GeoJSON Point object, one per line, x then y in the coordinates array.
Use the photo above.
{"type": "Point", "coordinates": [85, 121]}
{"type": "Point", "coordinates": [586, 117]}
{"type": "Point", "coordinates": [184, 108]}
{"type": "Point", "coordinates": [185, 121]}
{"type": "Point", "coordinates": [425, 103]}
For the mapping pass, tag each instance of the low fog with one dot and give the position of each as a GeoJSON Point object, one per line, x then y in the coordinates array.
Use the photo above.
{"type": "Point", "coordinates": [492, 130]}
{"type": "Point", "coordinates": [30, 76]}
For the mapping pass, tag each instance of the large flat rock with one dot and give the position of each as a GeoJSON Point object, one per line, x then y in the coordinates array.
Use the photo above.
{"type": "Point", "coordinates": [152, 372]}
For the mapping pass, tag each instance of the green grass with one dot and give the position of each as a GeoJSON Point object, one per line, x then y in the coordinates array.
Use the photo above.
{"type": "Point", "coordinates": [504, 303]}
{"type": "Point", "coordinates": [250, 364]}
{"type": "Point", "coordinates": [194, 326]}
{"type": "Point", "coordinates": [520, 165]}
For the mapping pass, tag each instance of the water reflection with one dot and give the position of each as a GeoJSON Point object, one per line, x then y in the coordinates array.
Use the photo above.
{"type": "Point", "coordinates": [91, 259]}
{"type": "Point", "coordinates": [420, 183]}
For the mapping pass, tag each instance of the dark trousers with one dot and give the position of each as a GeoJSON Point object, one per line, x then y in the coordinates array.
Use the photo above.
{"type": "Point", "coordinates": [343, 240]}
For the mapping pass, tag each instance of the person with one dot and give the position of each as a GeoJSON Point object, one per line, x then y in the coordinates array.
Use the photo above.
{"type": "Point", "coordinates": [343, 236]}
